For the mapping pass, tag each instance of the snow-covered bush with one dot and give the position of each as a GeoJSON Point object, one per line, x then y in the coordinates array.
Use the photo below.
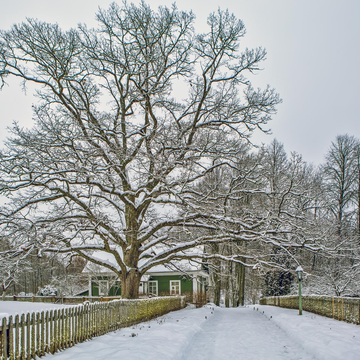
{"type": "Point", "coordinates": [48, 290]}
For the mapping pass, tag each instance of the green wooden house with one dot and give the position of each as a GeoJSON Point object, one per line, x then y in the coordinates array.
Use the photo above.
{"type": "Point", "coordinates": [190, 281]}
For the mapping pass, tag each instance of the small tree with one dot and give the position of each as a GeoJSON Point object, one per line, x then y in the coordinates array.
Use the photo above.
{"type": "Point", "coordinates": [112, 161]}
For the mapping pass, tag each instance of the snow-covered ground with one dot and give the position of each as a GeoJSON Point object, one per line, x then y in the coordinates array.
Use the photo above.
{"type": "Point", "coordinates": [255, 332]}
{"type": "Point", "coordinates": [17, 307]}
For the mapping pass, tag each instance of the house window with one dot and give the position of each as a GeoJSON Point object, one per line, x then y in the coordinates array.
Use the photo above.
{"type": "Point", "coordinates": [153, 287]}
{"type": "Point", "coordinates": [175, 288]}
{"type": "Point", "coordinates": [103, 287]}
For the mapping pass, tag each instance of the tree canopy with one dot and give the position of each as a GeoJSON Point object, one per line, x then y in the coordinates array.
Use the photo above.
{"type": "Point", "coordinates": [132, 117]}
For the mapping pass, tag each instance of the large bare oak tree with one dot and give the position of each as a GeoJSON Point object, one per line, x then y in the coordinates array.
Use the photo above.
{"type": "Point", "coordinates": [130, 117]}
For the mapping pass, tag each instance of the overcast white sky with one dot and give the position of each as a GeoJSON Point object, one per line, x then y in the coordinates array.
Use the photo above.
{"type": "Point", "coordinates": [313, 61]}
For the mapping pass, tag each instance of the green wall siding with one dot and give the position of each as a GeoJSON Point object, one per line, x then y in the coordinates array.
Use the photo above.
{"type": "Point", "coordinates": [94, 289]}
{"type": "Point", "coordinates": [115, 290]}
{"type": "Point", "coordinates": [164, 283]}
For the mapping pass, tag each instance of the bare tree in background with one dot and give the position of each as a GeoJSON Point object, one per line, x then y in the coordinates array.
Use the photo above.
{"type": "Point", "coordinates": [340, 222]}
{"type": "Point", "coordinates": [12, 266]}
{"type": "Point", "coordinates": [111, 164]}
{"type": "Point", "coordinates": [274, 193]}
{"type": "Point", "coordinates": [340, 173]}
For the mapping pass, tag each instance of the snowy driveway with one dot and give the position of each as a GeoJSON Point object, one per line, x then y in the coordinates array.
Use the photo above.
{"type": "Point", "coordinates": [242, 334]}
{"type": "Point", "coordinates": [225, 334]}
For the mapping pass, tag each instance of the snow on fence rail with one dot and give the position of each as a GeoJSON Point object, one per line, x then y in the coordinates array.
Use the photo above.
{"type": "Point", "coordinates": [344, 309]}
{"type": "Point", "coordinates": [27, 336]}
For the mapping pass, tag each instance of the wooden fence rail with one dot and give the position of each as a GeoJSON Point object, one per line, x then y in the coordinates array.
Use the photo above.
{"type": "Point", "coordinates": [344, 309]}
{"type": "Point", "coordinates": [60, 299]}
{"type": "Point", "coordinates": [23, 337]}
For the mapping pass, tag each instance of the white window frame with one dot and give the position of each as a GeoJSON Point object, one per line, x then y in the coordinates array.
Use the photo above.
{"type": "Point", "coordinates": [103, 285]}
{"type": "Point", "coordinates": [150, 283]}
{"type": "Point", "coordinates": [172, 283]}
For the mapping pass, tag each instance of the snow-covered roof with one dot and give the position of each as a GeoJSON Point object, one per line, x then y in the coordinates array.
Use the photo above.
{"type": "Point", "coordinates": [174, 266]}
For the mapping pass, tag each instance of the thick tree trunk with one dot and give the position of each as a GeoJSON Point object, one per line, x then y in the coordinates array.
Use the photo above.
{"type": "Point", "coordinates": [215, 274]}
{"type": "Point", "coordinates": [130, 284]}
{"type": "Point", "coordinates": [241, 284]}
{"type": "Point", "coordinates": [227, 285]}
{"type": "Point", "coordinates": [227, 299]}
{"type": "Point", "coordinates": [131, 280]}
{"type": "Point", "coordinates": [217, 284]}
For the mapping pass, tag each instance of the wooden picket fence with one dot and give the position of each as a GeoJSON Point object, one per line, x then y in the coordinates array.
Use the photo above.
{"type": "Point", "coordinates": [31, 335]}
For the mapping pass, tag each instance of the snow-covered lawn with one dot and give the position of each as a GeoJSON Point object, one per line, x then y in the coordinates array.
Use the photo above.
{"type": "Point", "coordinates": [212, 333]}
{"type": "Point", "coordinates": [18, 307]}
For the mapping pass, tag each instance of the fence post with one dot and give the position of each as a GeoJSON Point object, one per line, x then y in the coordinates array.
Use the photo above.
{"type": "Point", "coordinates": [42, 334]}
{"type": "Point", "coordinates": [51, 332]}
{"type": "Point", "coordinates": [47, 332]}
{"type": "Point", "coordinates": [17, 337]}
{"type": "Point", "coordinates": [22, 324]}
{"type": "Point", "coordinates": [66, 333]}
{"type": "Point", "coordinates": [28, 337]}
{"type": "Point", "coordinates": [81, 325]}
{"type": "Point", "coordinates": [1, 340]}
{"type": "Point", "coordinates": [73, 326]}
{"type": "Point", "coordinates": [37, 349]}
{"type": "Point", "coordinates": [33, 330]}
{"type": "Point", "coordinates": [76, 325]}
{"type": "Point", "coordinates": [54, 325]}
{"type": "Point", "coordinates": [4, 340]}
{"type": "Point", "coordinates": [62, 333]}
{"type": "Point", "coordinates": [11, 338]}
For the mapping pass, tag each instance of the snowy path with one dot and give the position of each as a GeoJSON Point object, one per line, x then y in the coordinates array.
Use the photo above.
{"type": "Point", "coordinates": [222, 334]}
{"type": "Point", "coordinates": [242, 334]}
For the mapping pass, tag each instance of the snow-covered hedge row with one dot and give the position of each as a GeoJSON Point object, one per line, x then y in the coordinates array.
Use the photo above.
{"type": "Point", "coordinates": [345, 309]}
{"type": "Point", "coordinates": [144, 309]}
